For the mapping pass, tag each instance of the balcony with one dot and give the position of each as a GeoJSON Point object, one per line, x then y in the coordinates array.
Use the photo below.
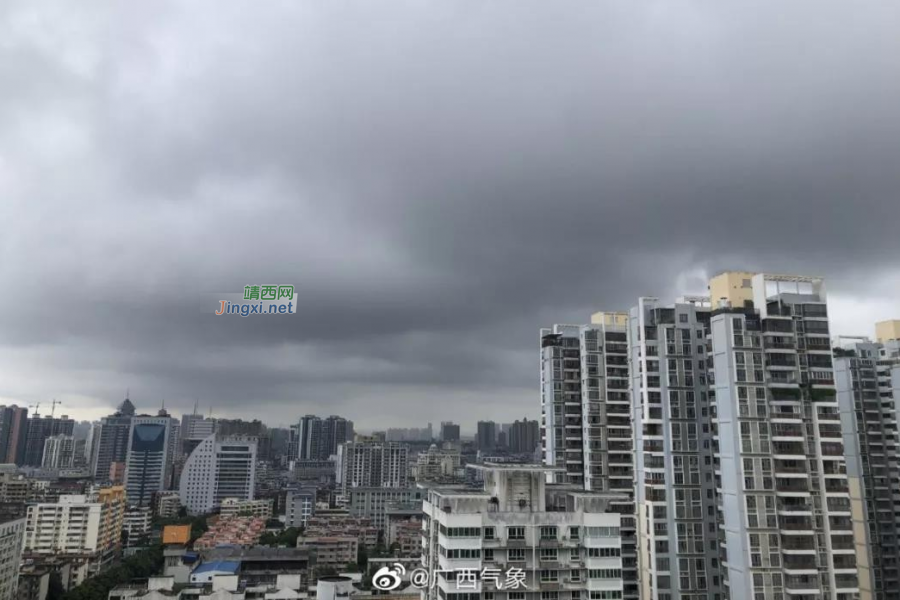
{"type": "Point", "coordinates": [799, 562]}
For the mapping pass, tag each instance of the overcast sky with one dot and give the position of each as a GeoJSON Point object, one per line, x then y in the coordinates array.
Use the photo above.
{"type": "Point", "coordinates": [437, 179]}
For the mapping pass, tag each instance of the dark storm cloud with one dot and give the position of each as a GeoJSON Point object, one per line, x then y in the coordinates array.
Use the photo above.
{"type": "Point", "coordinates": [438, 180]}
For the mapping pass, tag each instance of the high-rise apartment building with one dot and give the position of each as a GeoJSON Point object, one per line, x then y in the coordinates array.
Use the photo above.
{"type": "Point", "coordinates": [87, 530]}
{"type": "Point", "coordinates": [449, 431]}
{"type": "Point", "coordinates": [13, 431]}
{"type": "Point", "coordinates": [675, 483]}
{"type": "Point", "coordinates": [586, 430]}
{"type": "Point", "coordinates": [784, 513]}
{"type": "Point", "coordinates": [110, 442]}
{"type": "Point", "coordinates": [39, 429]}
{"type": "Point", "coordinates": [314, 438]}
{"type": "Point", "coordinates": [218, 468]}
{"type": "Point", "coordinates": [557, 541]}
{"type": "Point", "coordinates": [59, 452]}
{"type": "Point", "coordinates": [867, 377]}
{"type": "Point", "coordinates": [486, 435]}
{"type": "Point", "coordinates": [151, 451]}
{"type": "Point", "coordinates": [524, 436]}
{"type": "Point", "coordinates": [372, 464]}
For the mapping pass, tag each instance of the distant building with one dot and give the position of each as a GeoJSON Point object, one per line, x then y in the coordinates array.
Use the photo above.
{"type": "Point", "coordinates": [39, 429]}
{"type": "Point", "coordinates": [442, 465]}
{"type": "Point", "coordinates": [151, 449]}
{"type": "Point", "coordinates": [486, 437]}
{"type": "Point", "coordinates": [13, 431]}
{"type": "Point", "coordinates": [246, 508]}
{"type": "Point", "coordinates": [374, 502]}
{"type": "Point", "coordinates": [314, 438]}
{"type": "Point", "coordinates": [363, 464]}
{"type": "Point", "coordinates": [449, 431]}
{"type": "Point", "coordinates": [524, 436]}
{"type": "Point", "coordinates": [59, 452]}
{"type": "Point", "coordinates": [332, 552]}
{"type": "Point", "coordinates": [218, 468]}
{"type": "Point", "coordinates": [110, 441]}
{"type": "Point", "coordinates": [300, 506]}
{"type": "Point", "coordinates": [167, 504]}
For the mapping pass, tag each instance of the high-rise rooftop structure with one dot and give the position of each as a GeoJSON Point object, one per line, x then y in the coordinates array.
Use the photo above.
{"type": "Point", "coordinates": [314, 438]}
{"type": "Point", "coordinates": [219, 467]}
{"type": "Point", "coordinates": [563, 541]}
{"type": "Point", "coordinates": [867, 377]}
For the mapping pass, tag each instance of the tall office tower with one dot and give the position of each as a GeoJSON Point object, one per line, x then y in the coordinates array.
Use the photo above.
{"type": "Point", "coordinates": [373, 464]}
{"type": "Point", "coordinates": [219, 467]}
{"type": "Point", "coordinates": [39, 429]}
{"type": "Point", "coordinates": [675, 487]}
{"type": "Point", "coordinates": [564, 542]}
{"type": "Point", "coordinates": [151, 453]}
{"type": "Point", "coordinates": [867, 377]}
{"type": "Point", "coordinates": [86, 530]}
{"type": "Point", "coordinates": [59, 452]}
{"type": "Point", "coordinates": [587, 431]}
{"type": "Point", "coordinates": [13, 431]}
{"type": "Point", "coordinates": [486, 437]}
{"type": "Point", "coordinates": [784, 514]}
{"type": "Point", "coordinates": [111, 444]}
{"type": "Point", "coordinates": [449, 431]}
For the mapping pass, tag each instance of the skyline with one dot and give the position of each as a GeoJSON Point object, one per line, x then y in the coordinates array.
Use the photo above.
{"type": "Point", "coordinates": [437, 182]}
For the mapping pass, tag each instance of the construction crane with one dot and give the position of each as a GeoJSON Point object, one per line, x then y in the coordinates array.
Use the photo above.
{"type": "Point", "coordinates": [53, 407]}
{"type": "Point", "coordinates": [36, 407]}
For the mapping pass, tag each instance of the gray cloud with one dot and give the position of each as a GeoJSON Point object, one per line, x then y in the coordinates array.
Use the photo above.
{"type": "Point", "coordinates": [437, 180]}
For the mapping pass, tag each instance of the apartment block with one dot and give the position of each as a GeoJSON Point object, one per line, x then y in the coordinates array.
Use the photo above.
{"type": "Point", "coordinates": [553, 540]}
{"type": "Point", "coordinates": [87, 530]}
{"type": "Point", "coordinates": [372, 464]}
{"type": "Point", "coordinates": [12, 532]}
{"type": "Point", "coordinates": [867, 376]}
{"type": "Point", "coordinates": [784, 513]}
{"type": "Point", "coordinates": [675, 487]}
{"type": "Point", "coordinates": [587, 431]}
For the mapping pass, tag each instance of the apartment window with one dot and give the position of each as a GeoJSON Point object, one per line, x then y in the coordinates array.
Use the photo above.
{"type": "Point", "coordinates": [515, 533]}
{"type": "Point", "coordinates": [548, 532]}
{"type": "Point", "coordinates": [516, 555]}
{"type": "Point", "coordinates": [574, 532]}
{"type": "Point", "coordinates": [488, 533]}
{"type": "Point", "coordinates": [549, 554]}
{"type": "Point", "coordinates": [549, 576]}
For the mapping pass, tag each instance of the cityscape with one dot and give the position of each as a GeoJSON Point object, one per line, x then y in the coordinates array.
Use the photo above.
{"type": "Point", "coordinates": [720, 446]}
{"type": "Point", "coordinates": [449, 300]}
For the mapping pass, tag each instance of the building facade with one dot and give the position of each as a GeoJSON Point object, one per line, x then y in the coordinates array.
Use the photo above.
{"type": "Point", "coordinates": [372, 464]}
{"type": "Point", "coordinates": [558, 541]}
{"type": "Point", "coordinates": [218, 468]}
{"type": "Point", "coordinates": [151, 452]}
{"type": "Point", "coordinates": [587, 426]}
{"type": "Point", "coordinates": [59, 452]}
{"type": "Point", "coordinates": [12, 533]}
{"type": "Point", "coordinates": [867, 377]}
{"type": "Point", "coordinates": [110, 441]}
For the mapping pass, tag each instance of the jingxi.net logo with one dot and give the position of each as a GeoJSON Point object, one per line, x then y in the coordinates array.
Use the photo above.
{"type": "Point", "coordinates": [258, 300]}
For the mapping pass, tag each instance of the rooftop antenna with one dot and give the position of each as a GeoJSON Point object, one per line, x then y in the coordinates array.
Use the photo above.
{"type": "Point", "coordinates": [196, 402]}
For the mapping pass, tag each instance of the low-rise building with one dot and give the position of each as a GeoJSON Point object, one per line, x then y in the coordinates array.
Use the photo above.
{"type": "Point", "coordinates": [331, 552]}
{"type": "Point", "coordinates": [360, 528]}
{"type": "Point", "coordinates": [167, 505]}
{"type": "Point", "coordinates": [232, 507]}
{"type": "Point", "coordinates": [373, 502]}
{"type": "Point", "coordinates": [242, 531]}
